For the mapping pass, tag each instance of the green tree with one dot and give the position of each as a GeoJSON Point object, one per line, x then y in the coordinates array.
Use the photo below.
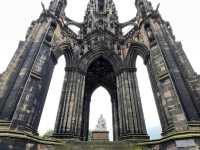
{"type": "Point", "coordinates": [48, 134]}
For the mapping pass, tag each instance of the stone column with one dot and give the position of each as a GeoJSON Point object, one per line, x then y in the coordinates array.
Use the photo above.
{"type": "Point", "coordinates": [176, 77]}
{"type": "Point", "coordinates": [170, 109]}
{"type": "Point", "coordinates": [85, 117]}
{"type": "Point", "coordinates": [69, 116]}
{"type": "Point", "coordinates": [19, 70]}
{"type": "Point", "coordinates": [79, 110]}
{"type": "Point", "coordinates": [11, 73]}
{"type": "Point", "coordinates": [131, 119]}
{"type": "Point", "coordinates": [189, 76]}
{"type": "Point", "coordinates": [175, 102]}
{"type": "Point", "coordinates": [115, 116]}
{"type": "Point", "coordinates": [120, 106]}
{"type": "Point", "coordinates": [158, 100]}
{"type": "Point", "coordinates": [29, 109]}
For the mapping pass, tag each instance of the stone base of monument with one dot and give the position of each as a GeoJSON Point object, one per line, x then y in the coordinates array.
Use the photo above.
{"type": "Point", "coordinates": [15, 140]}
{"type": "Point", "coordinates": [100, 136]}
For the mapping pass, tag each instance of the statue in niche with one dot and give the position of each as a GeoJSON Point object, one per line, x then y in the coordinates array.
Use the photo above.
{"type": "Point", "coordinates": [101, 126]}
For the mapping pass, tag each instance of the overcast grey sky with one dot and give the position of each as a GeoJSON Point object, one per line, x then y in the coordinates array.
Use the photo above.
{"type": "Point", "coordinates": [16, 17]}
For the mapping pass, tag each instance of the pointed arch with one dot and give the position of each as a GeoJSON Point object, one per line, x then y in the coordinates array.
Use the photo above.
{"type": "Point", "coordinates": [101, 104]}
{"type": "Point", "coordinates": [136, 49]}
{"type": "Point", "coordinates": [99, 72]}
{"type": "Point", "coordinates": [110, 56]}
{"type": "Point", "coordinates": [65, 49]}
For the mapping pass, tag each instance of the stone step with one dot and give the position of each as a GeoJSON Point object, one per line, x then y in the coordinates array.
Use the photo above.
{"type": "Point", "coordinates": [100, 146]}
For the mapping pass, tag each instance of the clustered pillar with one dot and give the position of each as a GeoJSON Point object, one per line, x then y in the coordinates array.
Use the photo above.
{"type": "Point", "coordinates": [69, 118]}
{"type": "Point", "coordinates": [30, 106]}
{"type": "Point", "coordinates": [20, 68]}
{"type": "Point", "coordinates": [131, 118]}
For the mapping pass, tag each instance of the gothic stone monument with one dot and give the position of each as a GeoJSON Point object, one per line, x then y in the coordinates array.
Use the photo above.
{"type": "Point", "coordinates": [101, 133]}
{"type": "Point", "coordinates": [98, 54]}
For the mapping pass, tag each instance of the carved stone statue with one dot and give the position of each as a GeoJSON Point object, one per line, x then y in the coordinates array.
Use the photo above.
{"type": "Point", "coordinates": [101, 126]}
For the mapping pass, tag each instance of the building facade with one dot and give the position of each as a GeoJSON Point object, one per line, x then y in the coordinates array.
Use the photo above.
{"type": "Point", "coordinates": [100, 55]}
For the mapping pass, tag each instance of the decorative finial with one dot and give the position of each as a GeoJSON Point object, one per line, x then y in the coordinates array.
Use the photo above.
{"type": "Point", "coordinates": [157, 7]}
{"type": "Point", "coordinates": [43, 6]}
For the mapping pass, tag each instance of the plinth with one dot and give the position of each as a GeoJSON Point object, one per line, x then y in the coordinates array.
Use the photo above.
{"type": "Point", "coordinates": [100, 133]}
{"type": "Point", "coordinates": [100, 136]}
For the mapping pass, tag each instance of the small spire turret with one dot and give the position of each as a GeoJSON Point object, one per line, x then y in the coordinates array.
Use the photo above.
{"type": "Point", "coordinates": [144, 7]}
{"type": "Point", "coordinates": [58, 7]}
{"type": "Point", "coordinates": [101, 14]}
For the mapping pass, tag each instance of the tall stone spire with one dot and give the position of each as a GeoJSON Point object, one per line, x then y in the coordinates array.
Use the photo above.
{"type": "Point", "coordinates": [101, 17]}
{"type": "Point", "coordinates": [57, 7]}
{"type": "Point", "coordinates": [101, 14]}
{"type": "Point", "coordinates": [144, 7]}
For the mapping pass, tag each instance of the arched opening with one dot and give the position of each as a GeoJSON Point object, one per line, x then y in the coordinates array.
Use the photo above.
{"type": "Point", "coordinates": [99, 73]}
{"type": "Point", "coordinates": [101, 105]}
{"type": "Point", "coordinates": [49, 113]}
{"type": "Point", "coordinates": [149, 107]}
{"type": "Point", "coordinates": [149, 102]}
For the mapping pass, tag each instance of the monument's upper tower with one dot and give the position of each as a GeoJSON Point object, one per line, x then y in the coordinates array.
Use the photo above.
{"type": "Point", "coordinates": [100, 27]}
{"type": "Point", "coordinates": [101, 15]}
{"type": "Point", "coordinates": [57, 7]}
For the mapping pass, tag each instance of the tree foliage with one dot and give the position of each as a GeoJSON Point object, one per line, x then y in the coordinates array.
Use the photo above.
{"type": "Point", "coordinates": [48, 134]}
